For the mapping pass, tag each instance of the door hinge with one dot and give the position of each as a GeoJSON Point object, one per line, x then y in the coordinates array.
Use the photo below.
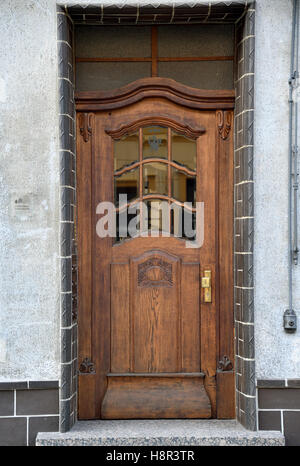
{"type": "Point", "coordinates": [87, 367]}
{"type": "Point", "coordinates": [225, 364]}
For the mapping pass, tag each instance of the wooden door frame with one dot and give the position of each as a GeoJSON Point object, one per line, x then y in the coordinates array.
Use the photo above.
{"type": "Point", "coordinates": [221, 101]}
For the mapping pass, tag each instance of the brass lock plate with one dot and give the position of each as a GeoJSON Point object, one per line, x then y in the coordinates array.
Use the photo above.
{"type": "Point", "coordinates": [206, 285]}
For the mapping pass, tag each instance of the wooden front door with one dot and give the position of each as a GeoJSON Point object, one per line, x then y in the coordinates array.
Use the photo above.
{"type": "Point", "coordinates": [153, 343]}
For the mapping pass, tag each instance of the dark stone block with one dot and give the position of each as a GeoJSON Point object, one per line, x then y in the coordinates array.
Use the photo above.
{"type": "Point", "coordinates": [66, 274]}
{"type": "Point", "coordinates": [247, 306]}
{"type": "Point", "coordinates": [73, 403]}
{"type": "Point", "coordinates": [43, 384]}
{"type": "Point", "coordinates": [66, 309]}
{"type": "Point", "coordinates": [249, 55]}
{"type": "Point", "coordinates": [13, 385]}
{"type": "Point", "coordinates": [239, 382]}
{"type": "Point", "coordinates": [65, 415]}
{"type": "Point", "coordinates": [13, 431]}
{"type": "Point", "coordinates": [74, 333]}
{"type": "Point", "coordinates": [6, 403]}
{"type": "Point", "coordinates": [62, 25]}
{"type": "Point", "coordinates": [60, 9]}
{"type": "Point", "coordinates": [248, 128]}
{"type": "Point", "coordinates": [66, 98]}
{"type": "Point", "coordinates": [66, 169]}
{"type": "Point", "coordinates": [66, 345]}
{"type": "Point", "coordinates": [244, 196]}
{"type": "Point", "coordinates": [294, 383]}
{"type": "Point", "coordinates": [66, 232]}
{"type": "Point", "coordinates": [74, 350]}
{"type": "Point", "coordinates": [270, 383]}
{"type": "Point", "coordinates": [65, 59]}
{"type": "Point", "coordinates": [238, 91]}
{"type": "Point", "coordinates": [65, 133]}
{"type": "Point", "coordinates": [246, 163]}
{"type": "Point", "coordinates": [249, 27]}
{"type": "Point", "coordinates": [247, 413]}
{"type": "Point", "coordinates": [279, 398]}
{"type": "Point", "coordinates": [37, 402]}
{"type": "Point", "coordinates": [240, 60]}
{"type": "Point", "coordinates": [67, 200]}
{"type": "Point", "coordinates": [238, 365]}
{"type": "Point", "coordinates": [247, 91]}
{"type": "Point", "coordinates": [244, 270]}
{"type": "Point", "coordinates": [66, 378]}
{"type": "Point", "coordinates": [246, 346]}
{"type": "Point", "coordinates": [244, 235]}
{"type": "Point", "coordinates": [150, 10]}
{"type": "Point", "coordinates": [248, 378]}
{"type": "Point", "coordinates": [42, 424]}
{"type": "Point", "coordinates": [291, 422]}
{"type": "Point", "coordinates": [269, 420]}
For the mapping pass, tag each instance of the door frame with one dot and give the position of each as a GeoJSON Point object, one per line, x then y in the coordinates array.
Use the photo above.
{"type": "Point", "coordinates": [222, 102]}
{"type": "Point", "coordinates": [244, 227]}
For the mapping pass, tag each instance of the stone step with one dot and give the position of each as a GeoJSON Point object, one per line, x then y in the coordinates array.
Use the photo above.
{"type": "Point", "coordinates": [174, 432]}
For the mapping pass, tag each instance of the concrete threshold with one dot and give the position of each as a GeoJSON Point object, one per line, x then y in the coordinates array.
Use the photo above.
{"type": "Point", "coordinates": [162, 432]}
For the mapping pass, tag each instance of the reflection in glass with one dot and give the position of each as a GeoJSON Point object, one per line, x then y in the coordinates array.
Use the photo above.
{"type": "Point", "coordinates": [183, 224]}
{"type": "Point", "coordinates": [155, 178]}
{"type": "Point", "coordinates": [123, 221]}
{"type": "Point", "coordinates": [183, 186]}
{"type": "Point", "coordinates": [127, 184]}
{"type": "Point", "coordinates": [184, 150]}
{"type": "Point", "coordinates": [126, 151]}
{"type": "Point", "coordinates": [154, 215]}
{"type": "Point", "coordinates": [155, 142]}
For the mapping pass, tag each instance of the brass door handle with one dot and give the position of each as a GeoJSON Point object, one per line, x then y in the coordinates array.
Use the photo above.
{"type": "Point", "coordinates": [206, 285]}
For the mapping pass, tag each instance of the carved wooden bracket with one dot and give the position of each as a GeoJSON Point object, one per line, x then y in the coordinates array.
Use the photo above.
{"type": "Point", "coordinates": [85, 126]}
{"type": "Point", "coordinates": [224, 119]}
{"type": "Point", "coordinates": [87, 367]}
{"type": "Point", "coordinates": [225, 364]}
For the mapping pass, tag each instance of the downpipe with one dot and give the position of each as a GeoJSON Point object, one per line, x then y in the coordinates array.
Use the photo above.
{"type": "Point", "coordinates": [290, 319]}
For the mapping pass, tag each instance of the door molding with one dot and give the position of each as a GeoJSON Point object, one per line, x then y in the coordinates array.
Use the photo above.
{"type": "Point", "coordinates": [244, 228]}
{"type": "Point", "coordinates": [202, 99]}
{"type": "Point", "coordinates": [178, 127]}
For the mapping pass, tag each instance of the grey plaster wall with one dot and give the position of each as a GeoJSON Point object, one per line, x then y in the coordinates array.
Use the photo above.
{"type": "Point", "coordinates": [277, 353]}
{"type": "Point", "coordinates": [29, 173]}
{"type": "Point", "coordinates": [29, 191]}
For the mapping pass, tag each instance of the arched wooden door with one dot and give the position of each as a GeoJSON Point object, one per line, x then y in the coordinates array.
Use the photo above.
{"type": "Point", "coordinates": [153, 326]}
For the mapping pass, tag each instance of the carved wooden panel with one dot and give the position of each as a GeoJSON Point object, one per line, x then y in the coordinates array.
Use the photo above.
{"type": "Point", "coordinates": [155, 272]}
{"type": "Point", "coordinates": [155, 312]}
{"type": "Point", "coordinates": [155, 396]}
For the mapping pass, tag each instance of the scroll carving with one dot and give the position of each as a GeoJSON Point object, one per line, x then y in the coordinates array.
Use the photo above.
{"type": "Point", "coordinates": [155, 272]}
{"type": "Point", "coordinates": [85, 126]}
{"type": "Point", "coordinates": [224, 119]}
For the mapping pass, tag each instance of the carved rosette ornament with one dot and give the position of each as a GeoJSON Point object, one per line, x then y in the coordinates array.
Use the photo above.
{"type": "Point", "coordinates": [85, 126]}
{"type": "Point", "coordinates": [225, 364]}
{"type": "Point", "coordinates": [87, 367]}
{"type": "Point", "coordinates": [155, 272]}
{"type": "Point", "coordinates": [224, 119]}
